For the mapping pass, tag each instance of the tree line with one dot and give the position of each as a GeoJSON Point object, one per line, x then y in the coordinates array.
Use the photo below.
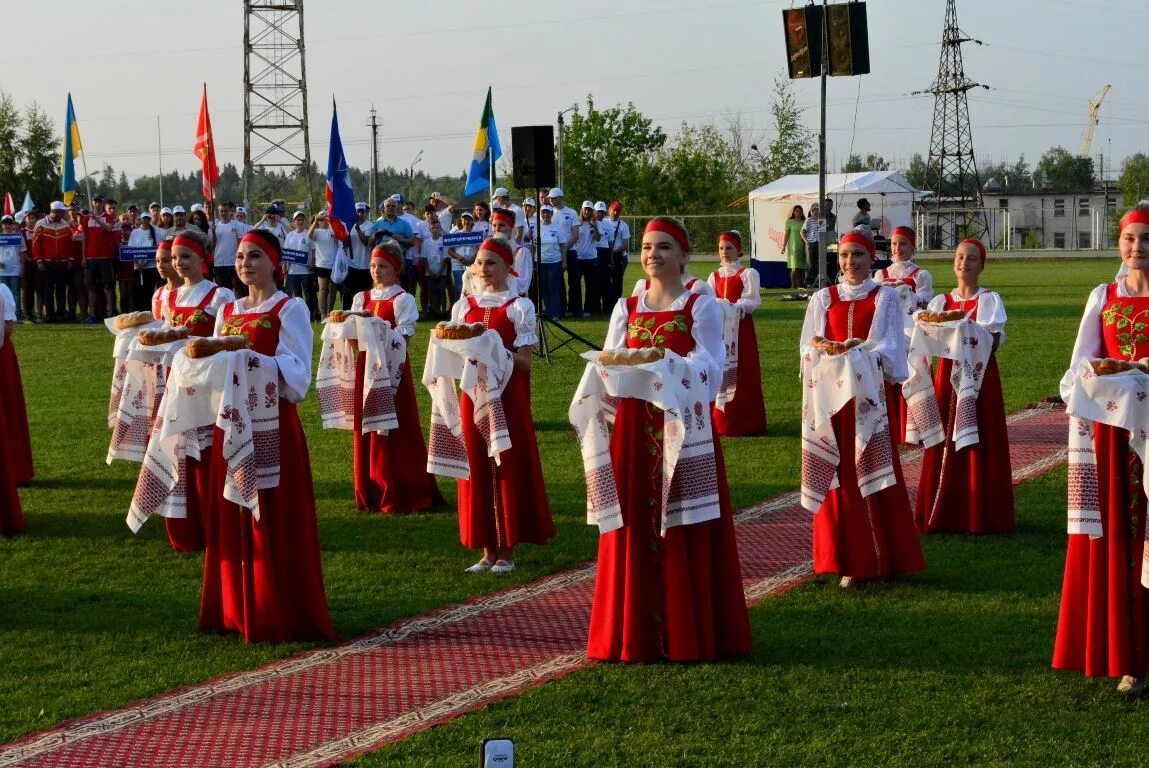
{"type": "Point", "coordinates": [613, 153]}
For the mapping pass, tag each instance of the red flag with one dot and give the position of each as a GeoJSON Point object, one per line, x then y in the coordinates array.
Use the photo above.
{"type": "Point", "coordinates": [9, 206]}
{"type": "Point", "coordinates": [205, 148]}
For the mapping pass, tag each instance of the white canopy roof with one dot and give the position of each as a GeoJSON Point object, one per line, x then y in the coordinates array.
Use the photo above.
{"type": "Point", "coordinates": [803, 188]}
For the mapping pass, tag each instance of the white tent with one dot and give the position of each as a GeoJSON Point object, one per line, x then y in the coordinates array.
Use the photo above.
{"type": "Point", "coordinates": [891, 200]}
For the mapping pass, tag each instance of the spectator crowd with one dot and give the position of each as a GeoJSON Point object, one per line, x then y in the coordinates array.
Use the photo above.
{"type": "Point", "coordinates": [67, 267]}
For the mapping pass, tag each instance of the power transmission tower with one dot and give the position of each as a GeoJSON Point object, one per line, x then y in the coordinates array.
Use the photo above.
{"type": "Point", "coordinates": [954, 212]}
{"type": "Point", "coordinates": [275, 131]}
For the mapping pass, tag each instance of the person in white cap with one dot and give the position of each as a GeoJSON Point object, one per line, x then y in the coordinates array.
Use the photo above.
{"type": "Point", "coordinates": [552, 250]}
{"type": "Point", "coordinates": [241, 214]}
{"type": "Point", "coordinates": [582, 268]}
{"type": "Point", "coordinates": [179, 220]}
{"type": "Point", "coordinates": [300, 281]}
{"type": "Point", "coordinates": [11, 262]}
{"type": "Point", "coordinates": [529, 206]}
{"type": "Point", "coordinates": [358, 260]}
{"type": "Point", "coordinates": [566, 221]}
{"type": "Point", "coordinates": [445, 209]}
{"type": "Point", "coordinates": [272, 223]}
{"type": "Point", "coordinates": [602, 261]}
{"type": "Point", "coordinates": [52, 249]}
{"type": "Point", "coordinates": [502, 199]}
{"type": "Point", "coordinates": [327, 249]}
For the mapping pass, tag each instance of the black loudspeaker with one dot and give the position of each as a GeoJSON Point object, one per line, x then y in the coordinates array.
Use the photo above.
{"type": "Point", "coordinates": [533, 156]}
{"type": "Point", "coordinates": [803, 41]}
{"type": "Point", "coordinates": [849, 40]}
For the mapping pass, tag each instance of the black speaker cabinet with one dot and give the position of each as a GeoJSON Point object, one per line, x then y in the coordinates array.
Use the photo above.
{"type": "Point", "coordinates": [533, 156]}
{"type": "Point", "coordinates": [847, 35]}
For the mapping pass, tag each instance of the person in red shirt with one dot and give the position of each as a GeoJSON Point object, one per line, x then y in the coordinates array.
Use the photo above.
{"type": "Point", "coordinates": [101, 246]}
{"type": "Point", "coordinates": [52, 251]}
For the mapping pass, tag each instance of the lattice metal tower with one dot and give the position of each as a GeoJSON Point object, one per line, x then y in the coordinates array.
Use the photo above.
{"type": "Point", "coordinates": [275, 132]}
{"type": "Point", "coordinates": [954, 211]}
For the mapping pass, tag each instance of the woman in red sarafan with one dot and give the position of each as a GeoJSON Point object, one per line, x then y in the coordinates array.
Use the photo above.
{"type": "Point", "coordinates": [193, 305]}
{"type": "Point", "coordinates": [971, 490]}
{"type": "Point", "coordinates": [264, 578]}
{"type": "Point", "coordinates": [1103, 624]}
{"type": "Point", "coordinates": [390, 471]}
{"type": "Point", "coordinates": [903, 271]}
{"type": "Point", "coordinates": [11, 404]}
{"type": "Point", "coordinates": [737, 285]}
{"type": "Point", "coordinates": [502, 505]}
{"type": "Point", "coordinates": [856, 537]}
{"type": "Point", "coordinates": [676, 596]}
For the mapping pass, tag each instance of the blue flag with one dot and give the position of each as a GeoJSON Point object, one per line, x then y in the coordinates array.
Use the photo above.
{"type": "Point", "coordinates": [72, 147]}
{"type": "Point", "coordinates": [487, 151]}
{"type": "Point", "coordinates": [340, 195]}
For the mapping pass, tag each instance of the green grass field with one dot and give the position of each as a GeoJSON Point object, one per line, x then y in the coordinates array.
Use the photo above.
{"type": "Point", "coordinates": [949, 666]}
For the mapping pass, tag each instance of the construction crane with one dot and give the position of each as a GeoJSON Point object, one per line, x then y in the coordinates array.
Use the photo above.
{"type": "Point", "coordinates": [1091, 123]}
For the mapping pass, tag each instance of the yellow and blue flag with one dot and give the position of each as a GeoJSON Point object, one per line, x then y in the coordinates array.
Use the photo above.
{"type": "Point", "coordinates": [72, 148]}
{"type": "Point", "coordinates": [487, 151]}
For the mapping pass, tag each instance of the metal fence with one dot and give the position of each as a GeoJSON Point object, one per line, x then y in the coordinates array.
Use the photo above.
{"type": "Point", "coordinates": [1079, 225]}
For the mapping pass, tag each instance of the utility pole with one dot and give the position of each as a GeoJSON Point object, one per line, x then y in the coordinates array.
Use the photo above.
{"type": "Point", "coordinates": [373, 193]}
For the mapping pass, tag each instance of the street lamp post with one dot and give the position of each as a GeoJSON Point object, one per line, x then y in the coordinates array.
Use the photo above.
{"type": "Point", "coordinates": [411, 174]}
{"type": "Point", "coordinates": [559, 154]}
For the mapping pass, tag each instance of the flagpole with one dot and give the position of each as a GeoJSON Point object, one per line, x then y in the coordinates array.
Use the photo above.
{"type": "Point", "coordinates": [491, 162]}
{"type": "Point", "coordinates": [160, 157]}
{"type": "Point", "coordinates": [87, 179]}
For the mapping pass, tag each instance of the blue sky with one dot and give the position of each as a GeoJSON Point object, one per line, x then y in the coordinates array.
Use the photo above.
{"type": "Point", "coordinates": [426, 66]}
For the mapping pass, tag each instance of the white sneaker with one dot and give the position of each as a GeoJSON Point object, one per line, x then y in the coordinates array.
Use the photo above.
{"type": "Point", "coordinates": [846, 582]}
{"type": "Point", "coordinates": [1131, 685]}
{"type": "Point", "coordinates": [482, 566]}
{"type": "Point", "coordinates": [502, 566]}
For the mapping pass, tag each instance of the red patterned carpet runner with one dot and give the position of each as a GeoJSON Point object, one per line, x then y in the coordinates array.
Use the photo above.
{"type": "Point", "coordinates": [325, 706]}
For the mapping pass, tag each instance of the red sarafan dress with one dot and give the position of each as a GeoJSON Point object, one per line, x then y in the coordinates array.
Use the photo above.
{"type": "Point", "coordinates": [186, 533]}
{"type": "Point", "coordinates": [18, 440]}
{"type": "Point", "coordinates": [11, 513]}
{"type": "Point", "coordinates": [1102, 625]}
{"type": "Point", "coordinates": [503, 505]}
{"type": "Point", "coordinates": [678, 596]}
{"type": "Point", "coordinates": [895, 400]}
{"type": "Point", "coordinates": [390, 471]}
{"type": "Point", "coordinates": [868, 537]}
{"type": "Point", "coordinates": [746, 413]}
{"type": "Point", "coordinates": [971, 490]}
{"type": "Point", "coordinates": [264, 578]}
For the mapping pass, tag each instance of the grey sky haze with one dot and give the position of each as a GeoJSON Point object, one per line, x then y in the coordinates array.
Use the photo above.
{"type": "Point", "coordinates": [426, 67]}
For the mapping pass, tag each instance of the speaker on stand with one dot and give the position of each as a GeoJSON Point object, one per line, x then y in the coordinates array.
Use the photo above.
{"type": "Point", "coordinates": [533, 167]}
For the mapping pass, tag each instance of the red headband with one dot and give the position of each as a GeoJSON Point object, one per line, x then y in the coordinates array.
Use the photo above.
{"type": "Point", "coordinates": [668, 228]}
{"type": "Point", "coordinates": [191, 244]}
{"type": "Point", "coordinates": [1133, 217]}
{"type": "Point", "coordinates": [731, 237]}
{"type": "Point", "coordinates": [504, 216]}
{"type": "Point", "coordinates": [379, 252]}
{"type": "Point", "coordinates": [975, 243]}
{"type": "Point", "coordinates": [263, 242]}
{"type": "Point", "coordinates": [860, 239]}
{"type": "Point", "coordinates": [906, 231]}
{"type": "Point", "coordinates": [502, 249]}
{"type": "Point", "coordinates": [165, 245]}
